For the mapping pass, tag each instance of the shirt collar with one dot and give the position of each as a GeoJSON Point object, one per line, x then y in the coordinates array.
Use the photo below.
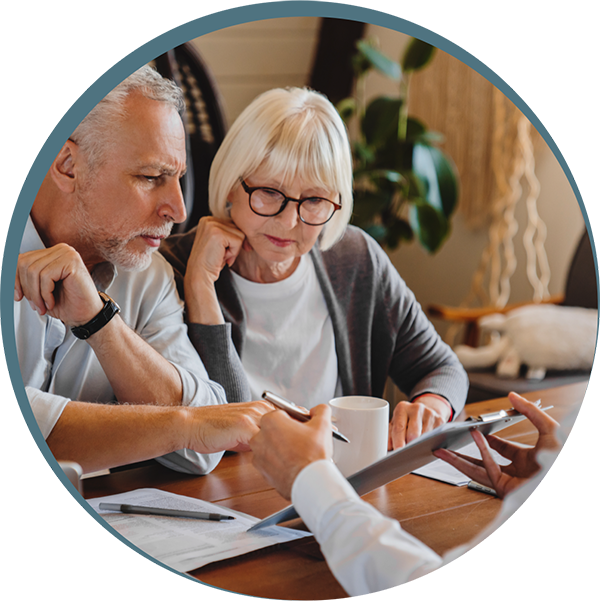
{"type": "Point", "coordinates": [103, 274]}
{"type": "Point", "coordinates": [31, 239]}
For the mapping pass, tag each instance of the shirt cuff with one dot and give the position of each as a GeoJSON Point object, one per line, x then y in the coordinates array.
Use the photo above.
{"type": "Point", "coordinates": [47, 408]}
{"type": "Point", "coordinates": [318, 487]}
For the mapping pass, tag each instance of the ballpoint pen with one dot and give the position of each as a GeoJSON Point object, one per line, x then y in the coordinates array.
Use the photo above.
{"type": "Point", "coordinates": [292, 410]}
{"type": "Point", "coordinates": [481, 488]}
{"type": "Point", "coordinates": [172, 513]}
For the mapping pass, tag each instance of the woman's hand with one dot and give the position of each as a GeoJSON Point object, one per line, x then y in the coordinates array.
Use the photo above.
{"type": "Point", "coordinates": [410, 420]}
{"type": "Point", "coordinates": [218, 243]}
{"type": "Point", "coordinates": [524, 462]}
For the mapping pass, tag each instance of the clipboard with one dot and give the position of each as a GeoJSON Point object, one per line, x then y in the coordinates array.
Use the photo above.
{"type": "Point", "coordinates": [416, 454]}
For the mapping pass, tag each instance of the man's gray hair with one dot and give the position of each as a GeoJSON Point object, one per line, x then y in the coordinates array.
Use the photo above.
{"type": "Point", "coordinates": [93, 134]}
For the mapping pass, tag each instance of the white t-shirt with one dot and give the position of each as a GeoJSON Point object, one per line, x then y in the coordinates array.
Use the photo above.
{"type": "Point", "coordinates": [289, 347]}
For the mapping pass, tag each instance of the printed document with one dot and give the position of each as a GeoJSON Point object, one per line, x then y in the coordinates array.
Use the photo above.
{"type": "Point", "coordinates": [185, 544]}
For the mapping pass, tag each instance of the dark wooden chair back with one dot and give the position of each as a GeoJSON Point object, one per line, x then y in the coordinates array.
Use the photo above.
{"type": "Point", "coordinates": [204, 122]}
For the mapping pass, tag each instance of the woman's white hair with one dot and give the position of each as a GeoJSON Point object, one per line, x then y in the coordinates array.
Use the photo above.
{"type": "Point", "coordinates": [291, 133]}
{"type": "Point", "coordinates": [94, 135]}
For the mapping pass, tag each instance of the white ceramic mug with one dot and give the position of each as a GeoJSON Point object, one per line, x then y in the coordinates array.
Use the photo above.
{"type": "Point", "coordinates": [364, 420]}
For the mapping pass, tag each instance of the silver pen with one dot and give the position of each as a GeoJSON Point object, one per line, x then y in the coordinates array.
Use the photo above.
{"type": "Point", "coordinates": [172, 513]}
{"type": "Point", "coordinates": [481, 488]}
{"type": "Point", "coordinates": [292, 410]}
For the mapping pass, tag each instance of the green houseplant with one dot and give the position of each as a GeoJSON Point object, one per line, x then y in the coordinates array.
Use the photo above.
{"type": "Point", "coordinates": [405, 186]}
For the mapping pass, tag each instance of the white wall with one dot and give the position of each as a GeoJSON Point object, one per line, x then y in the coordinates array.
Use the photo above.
{"type": "Point", "coordinates": [250, 58]}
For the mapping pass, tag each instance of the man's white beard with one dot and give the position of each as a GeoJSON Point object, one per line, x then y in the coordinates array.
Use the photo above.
{"type": "Point", "coordinates": [113, 249]}
{"type": "Point", "coordinates": [116, 252]}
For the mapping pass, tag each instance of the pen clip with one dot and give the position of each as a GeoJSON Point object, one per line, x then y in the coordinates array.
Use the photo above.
{"type": "Point", "coordinates": [496, 415]}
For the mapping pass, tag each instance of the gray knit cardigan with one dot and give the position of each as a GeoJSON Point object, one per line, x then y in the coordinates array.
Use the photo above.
{"type": "Point", "coordinates": [380, 329]}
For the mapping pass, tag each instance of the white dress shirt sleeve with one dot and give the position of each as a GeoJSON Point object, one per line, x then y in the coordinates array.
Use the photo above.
{"type": "Point", "coordinates": [46, 407]}
{"type": "Point", "coordinates": [365, 551]}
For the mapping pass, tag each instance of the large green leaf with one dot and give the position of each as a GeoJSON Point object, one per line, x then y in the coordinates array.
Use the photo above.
{"type": "Point", "coordinates": [380, 122]}
{"type": "Point", "coordinates": [415, 129]}
{"type": "Point", "coordinates": [447, 181]}
{"type": "Point", "coordinates": [377, 231]}
{"type": "Point", "coordinates": [379, 61]}
{"type": "Point", "coordinates": [380, 176]}
{"type": "Point", "coordinates": [363, 154]}
{"type": "Point", "coordinates": [432, 166]}
{"type": "Point", "coordinates": [368, 204]}
{"type": "Point", "coordinates": [430, 138]}
{"type": "Point", "coordinates": [398, 232]}
{"type": "Point", "coordinates": [430, 226]}
{"type": "Point", "coordinates": [424, 169]}
{"type": "Point", "coordinates": [417, 188]}
{"type": "Point", "coordinates": [417, 55]}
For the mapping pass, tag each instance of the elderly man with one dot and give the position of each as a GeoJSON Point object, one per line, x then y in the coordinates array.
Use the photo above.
{"type": "Point", "coordinates": [97, 316]}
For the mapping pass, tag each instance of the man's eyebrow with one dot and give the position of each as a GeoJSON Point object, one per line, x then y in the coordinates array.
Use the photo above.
{"type": "Point", "coordinates": [164, 169]}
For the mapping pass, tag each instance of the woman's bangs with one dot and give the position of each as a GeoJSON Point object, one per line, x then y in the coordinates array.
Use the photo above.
{"type": "Point", "coordinates": [305, 157]}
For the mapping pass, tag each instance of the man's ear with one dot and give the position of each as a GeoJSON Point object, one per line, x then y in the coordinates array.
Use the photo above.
{"type": "Point", "coordinates": [64, 168]}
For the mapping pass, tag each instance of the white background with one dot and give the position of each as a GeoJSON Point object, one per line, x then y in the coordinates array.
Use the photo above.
{"type": "Point", "coordinates": [556, 45]}
{"type": "Point", "coordinates": [41, 553]}
{"type": "Point", "coordinates": [43, 44]}
{"type": "Point", "coordinates": [553, 50]}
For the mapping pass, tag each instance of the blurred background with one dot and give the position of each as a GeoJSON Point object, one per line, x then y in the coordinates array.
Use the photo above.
{"type": "Point", "coordinates": [512, 190]}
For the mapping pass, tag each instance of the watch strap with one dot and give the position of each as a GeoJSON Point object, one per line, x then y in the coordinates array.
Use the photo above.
{"type": "Point", "coordinates": [108, 311]}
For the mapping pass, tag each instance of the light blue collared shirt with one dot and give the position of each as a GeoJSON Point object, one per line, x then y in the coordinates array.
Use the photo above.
{"type": "Point", "coordinates": [57, 367]}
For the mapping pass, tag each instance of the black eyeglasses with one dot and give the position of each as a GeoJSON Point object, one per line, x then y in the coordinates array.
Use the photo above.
{"type": "Point", "coordinates": [268, 202]}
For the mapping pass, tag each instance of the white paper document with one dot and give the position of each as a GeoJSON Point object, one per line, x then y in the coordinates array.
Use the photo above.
{"type": "Point", "coordinates": [440, 470]}
{"type": "Point", "coordinates": [185, 544]}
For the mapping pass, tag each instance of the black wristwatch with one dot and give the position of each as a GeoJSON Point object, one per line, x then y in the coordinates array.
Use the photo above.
{"type": "Point", "coordinates": [109, 310]}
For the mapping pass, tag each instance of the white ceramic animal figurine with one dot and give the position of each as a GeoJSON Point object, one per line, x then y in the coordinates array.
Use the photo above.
{"type": "Point", "coordinates": [540, 336]}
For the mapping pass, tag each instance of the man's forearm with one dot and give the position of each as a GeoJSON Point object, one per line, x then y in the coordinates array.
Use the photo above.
{"type": "Point", "coordinates": [137, 373]}
{"type": "Point", "coordinates": [104, 436]}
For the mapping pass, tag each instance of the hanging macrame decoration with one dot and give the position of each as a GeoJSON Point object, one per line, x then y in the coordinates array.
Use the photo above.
{"type": "Point", "coordinates": [513, 164]}
{"type": "Point", "coordinates": [492, 144]}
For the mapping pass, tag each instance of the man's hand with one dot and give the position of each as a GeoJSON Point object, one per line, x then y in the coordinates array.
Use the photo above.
{"type": "Point", "coordinates": [224, 427]}
{"type": "Point", "coordinates": [103, 436]}
{"type": "Point", "coordinates": [410, 420]}
{"type": "Point", "coordinates": [524, 464]}
{"type": "Point", "coordinates": [284, 446]}
{"type": "Point", "coordinates": [56, 282]}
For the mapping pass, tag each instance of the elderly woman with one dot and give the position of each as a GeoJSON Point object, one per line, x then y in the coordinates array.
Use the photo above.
{"type": "Point", "coordinates": [282, 294]}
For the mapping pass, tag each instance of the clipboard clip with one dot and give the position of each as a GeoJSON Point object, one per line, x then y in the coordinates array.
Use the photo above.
{"type": "Point", "coordinates": [496, 415]}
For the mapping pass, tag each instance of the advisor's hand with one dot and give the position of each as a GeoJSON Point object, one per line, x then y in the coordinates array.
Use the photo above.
{"type": "Point", "coordinates": [56, 282]}
{"type": "Point", "coordinates": [410, 420]}
{"type": "Point", "coordinates": [284, 446]}
{"type": "Point", "coordinates": [504, 479]}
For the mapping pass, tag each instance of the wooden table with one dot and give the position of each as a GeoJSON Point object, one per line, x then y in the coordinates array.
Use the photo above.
{"type": "Point", "coordinates": [441, 515]}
